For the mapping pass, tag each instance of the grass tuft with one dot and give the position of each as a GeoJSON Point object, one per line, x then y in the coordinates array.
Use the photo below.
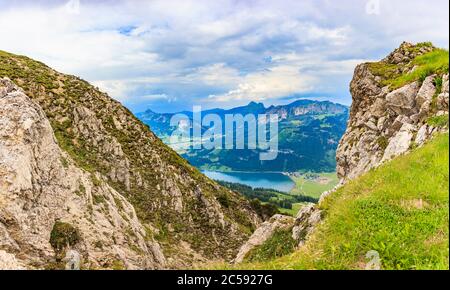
{"type": "Point", "coordinates": [438, 121]}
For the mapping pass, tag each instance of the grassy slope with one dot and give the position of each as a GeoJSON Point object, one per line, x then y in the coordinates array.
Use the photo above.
{"type": "Point", "coordinates": [434, 62]}
{"type": "Point", "coordinates": [400, 210]}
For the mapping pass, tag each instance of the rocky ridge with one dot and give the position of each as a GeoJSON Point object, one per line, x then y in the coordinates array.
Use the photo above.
{"type": "Point", "coordinates": [41, 187]}
{"type": "Point", "coordinates": [192, 218]}
{"type": "Point", "coordinates": [306, 107]}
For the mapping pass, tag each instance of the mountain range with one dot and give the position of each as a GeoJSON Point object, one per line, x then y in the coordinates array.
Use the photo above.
{"type": "Point", "coordinates": [309, 132]}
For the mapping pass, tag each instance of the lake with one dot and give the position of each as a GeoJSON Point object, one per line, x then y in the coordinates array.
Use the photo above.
{"type": "Point", "coordinates": [277, 181]}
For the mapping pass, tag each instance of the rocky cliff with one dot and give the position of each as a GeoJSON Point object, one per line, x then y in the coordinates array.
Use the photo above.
{"type": "Point", "coordinates": [44, 195]}
{"type": "Point", "coordinates": [86, 164]}
{"type": "Point", "coordinates": [307, 107]}
{"type": "Point", "coordinates": [398, 103]}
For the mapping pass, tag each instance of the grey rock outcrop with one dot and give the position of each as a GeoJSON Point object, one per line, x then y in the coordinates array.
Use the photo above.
{"type": "Point", "coordinates": [9, 262]}
{"type": "Point", "coordinates": [426, 92]}
{"type": "Point", "coordinates": [400, 143]}
{"type": "Point", "coordinates": [386, 123]}
{"type": "Point", "coordinates": [40, 186]}
{"type": "Point", "coordinates": [403, 100]}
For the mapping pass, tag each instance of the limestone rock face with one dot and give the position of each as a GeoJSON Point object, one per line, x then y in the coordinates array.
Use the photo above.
{"type": "Point", "coordinates": [400, 143]}
{"type": "Point", "coordinates": [194, 219]}
{"type": "Point", "coordinates": [41, 186]}
{"type": "Point", "coordinates": [385, 122]}
{"type": "Point", "coordinates": [263, 233]}
{"type": "Point", "coordinates": [403, 100]}
{"type": "Point", "coordinates": [9, 262]}
{"type": "Point", "coordinates": [442, 99]}
{"type": "Point", "coordinates": [426, 92]}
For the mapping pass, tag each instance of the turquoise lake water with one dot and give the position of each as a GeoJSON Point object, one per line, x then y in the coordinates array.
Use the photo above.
{"type": "Point", "coordinates": [277, 181]}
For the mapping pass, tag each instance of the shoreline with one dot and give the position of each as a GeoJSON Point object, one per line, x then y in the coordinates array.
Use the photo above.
{"type": "Point", "coordinates": [294, 178]}
{"type": "Point", "coordinates": [288, 191]}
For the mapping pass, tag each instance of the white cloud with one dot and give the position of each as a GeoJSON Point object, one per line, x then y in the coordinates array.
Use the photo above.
{"type": "Point", "coordinates": [190, 49]}
{"type": "Point", "coordinates": [277, 82]}
{"type": "Point", "coordinates": [217, 74]}
{"type": "Point", "coordinates": [288, 74]}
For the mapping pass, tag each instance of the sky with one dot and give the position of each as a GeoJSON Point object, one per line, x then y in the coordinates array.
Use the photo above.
{"type": "Point", "coordinates": [171, 55]}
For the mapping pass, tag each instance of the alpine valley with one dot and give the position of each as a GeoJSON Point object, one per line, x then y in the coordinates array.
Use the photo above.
{"type": "Point", "coordinates": [309, 132]}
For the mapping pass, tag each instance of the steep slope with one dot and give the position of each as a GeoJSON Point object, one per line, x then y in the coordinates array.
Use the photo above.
{"type": "Point", "coordinates": [181, 208]}
{"type": "Point", "coordinates": [400, 210]}
{"type": "Point", "coordinates": [309, 132]}
{"type": "Point", "coordinates": [47, 203]}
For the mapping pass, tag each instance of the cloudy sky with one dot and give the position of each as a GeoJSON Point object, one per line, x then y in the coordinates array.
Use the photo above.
{"type": "Point", "coordinates": [169, 55]}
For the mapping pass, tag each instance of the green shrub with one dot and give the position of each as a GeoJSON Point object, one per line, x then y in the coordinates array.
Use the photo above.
{"type": "Point", "coordinates": [438, 84]}
{"type": "Point", "coordinates": [264, 211]}
{"type": "Point", "coordinates": [382, 141]}
{"type": "Point", "coordinates": [98, 199]}
{"type": "Point", "coordinates": [118, 265]}
{"type": "Point", "coordinates": [438, 121]}
{"type": "Point", "coordinates": [223, 200]}
{"type": "Point", "coordinates": [62, 236]}
{"type": "Point", "coordinates": [95, 180]}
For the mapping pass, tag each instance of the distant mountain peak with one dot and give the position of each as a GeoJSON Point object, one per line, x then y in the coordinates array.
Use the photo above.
{"type": "Point", "coordinates": [255, 104]}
